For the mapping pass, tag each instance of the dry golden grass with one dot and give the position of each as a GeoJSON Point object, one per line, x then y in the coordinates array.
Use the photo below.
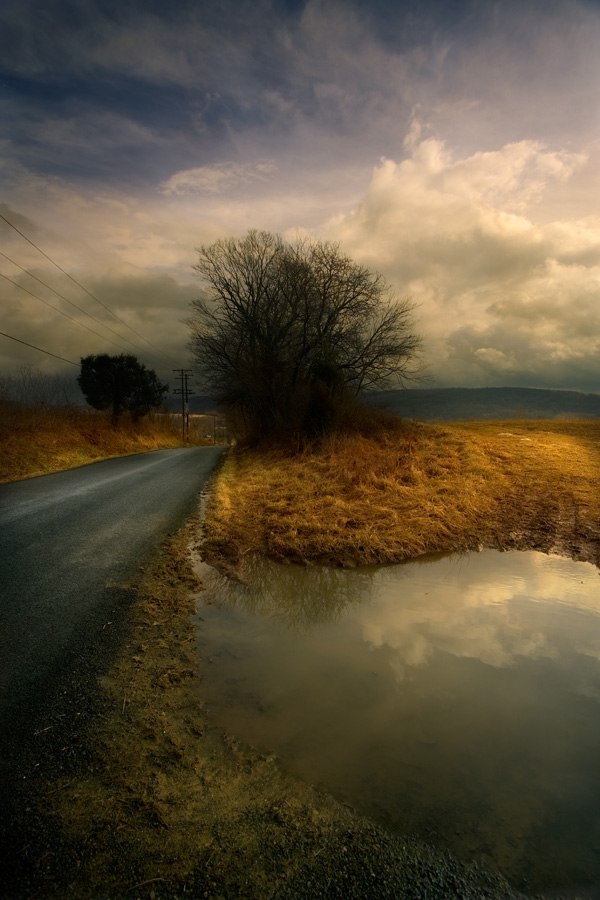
{"type": "Point", "coordinates": [35, 440]}
{"type": "Point", "coordinates": [414, 489]}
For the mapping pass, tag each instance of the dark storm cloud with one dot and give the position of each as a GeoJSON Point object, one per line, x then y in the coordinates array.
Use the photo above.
{"type": "Point", "coordinates": [122, 91]}
{"type": "Point", "coordinates": [100, 87]}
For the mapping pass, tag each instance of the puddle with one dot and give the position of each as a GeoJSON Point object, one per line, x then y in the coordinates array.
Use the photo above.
{"type": "Point", "coordinates": [455, 698]}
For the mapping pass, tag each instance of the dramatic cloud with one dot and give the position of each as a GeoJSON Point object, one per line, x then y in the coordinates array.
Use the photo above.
{"type": "Point", "coordinates": [506, 296]}
{"type": "Point", "coordinates": [455, 148]}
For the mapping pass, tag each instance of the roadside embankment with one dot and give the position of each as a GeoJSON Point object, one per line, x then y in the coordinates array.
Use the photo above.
{"type": "Point", "coordinates": [38, 439]}
{"type": "Point", "coordinates": [415, 489]}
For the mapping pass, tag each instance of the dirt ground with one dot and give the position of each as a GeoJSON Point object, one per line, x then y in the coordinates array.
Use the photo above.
{"type": "Point", "coordinates": [168, 806]}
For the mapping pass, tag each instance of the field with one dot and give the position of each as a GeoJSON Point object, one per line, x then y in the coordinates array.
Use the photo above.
{"type": "Point", "coordinates": [169, 805]}
{"type": "Point", "coordinates": [36, 439]}
{"type": "Point", "coordinates": [411, 490]}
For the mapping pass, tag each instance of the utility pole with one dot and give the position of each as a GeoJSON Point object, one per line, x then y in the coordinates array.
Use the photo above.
{"type": "Point", "coordinates": [183, 375]}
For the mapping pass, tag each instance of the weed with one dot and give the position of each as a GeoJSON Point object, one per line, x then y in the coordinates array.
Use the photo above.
{"type": "Point", "coordinates": [39, 438]}
{"type": "Point", "coordinates": [388, 495]}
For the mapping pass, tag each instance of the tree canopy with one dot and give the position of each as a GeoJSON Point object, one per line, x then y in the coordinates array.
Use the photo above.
{"type": "Point", "coordinates": [285, 331]}
{"type": "Point", "coordinates": [121, 384]}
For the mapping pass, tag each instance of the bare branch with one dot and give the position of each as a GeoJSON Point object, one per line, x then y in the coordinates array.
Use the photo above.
{"type": "Point", "coordinates": [282, 324]}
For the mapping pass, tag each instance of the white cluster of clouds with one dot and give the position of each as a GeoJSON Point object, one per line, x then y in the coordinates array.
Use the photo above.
{"type": "Point", "coordinates": [217, 178]}
{"type": "Point", "coordinates": [507, 294]}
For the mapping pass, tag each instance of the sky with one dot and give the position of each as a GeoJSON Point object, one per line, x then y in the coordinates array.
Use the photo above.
{"type": "Point", "coordinates": [453, 147]}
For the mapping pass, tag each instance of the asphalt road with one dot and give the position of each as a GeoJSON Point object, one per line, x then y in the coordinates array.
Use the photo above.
{"type": "Point", "coordinates": [66, 538]}
{"type": "Point", "coordinates": [68, 544]}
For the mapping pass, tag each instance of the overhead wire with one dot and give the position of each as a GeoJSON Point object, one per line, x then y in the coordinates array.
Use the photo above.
{"type": "Point", "coordinates": [62, 312]}
{"type": "Point", "coordinates": [66, 299]}
{"type": "Point", "coordinates": [47, 352]}
{"type": "Point", "coordinates": [74, 280]}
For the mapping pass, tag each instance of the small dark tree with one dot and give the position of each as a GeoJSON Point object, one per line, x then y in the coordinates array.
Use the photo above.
{"type": "Point", "coordinates": [121, 384]}
{"type": "Point", "coordinates": [287, 332]}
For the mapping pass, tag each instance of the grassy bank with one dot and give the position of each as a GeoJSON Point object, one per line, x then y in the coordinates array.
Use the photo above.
{"type": "Point", "coordinates": [37, 439]}
{"type": "Point", "coordinates": [414, 489]}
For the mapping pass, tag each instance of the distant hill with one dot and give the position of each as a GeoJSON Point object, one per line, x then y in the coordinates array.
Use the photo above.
{"type": "Point", "coordinates": [459, 404]}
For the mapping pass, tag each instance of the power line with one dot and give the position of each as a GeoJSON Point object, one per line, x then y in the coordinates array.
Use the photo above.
{"type": "Point", "coordinates": [74, 280]}
{"type": "Point", "coordinates": [85, 313]}
{"type": "Point", "coordinates": [47, 352]}
{"type": "Point", "coordinates": [66, 315]}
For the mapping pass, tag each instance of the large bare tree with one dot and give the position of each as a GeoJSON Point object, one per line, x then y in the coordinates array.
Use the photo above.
{"type": "Point", "coordinates": [285, 331]}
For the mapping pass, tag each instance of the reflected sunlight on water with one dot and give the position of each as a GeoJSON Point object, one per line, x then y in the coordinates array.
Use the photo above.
{"type": "Point", "coordinates": [454, 697]}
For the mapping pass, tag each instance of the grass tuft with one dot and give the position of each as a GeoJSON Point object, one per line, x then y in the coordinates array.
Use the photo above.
{"type": "Point", "coordinates": [36, 439]}
{"type": "Point", "coordinates": [410, 490]}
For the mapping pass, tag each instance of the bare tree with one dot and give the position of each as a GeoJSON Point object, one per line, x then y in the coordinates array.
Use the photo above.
{"type": "Point", "coordinates": [29, 386]}
{"type": "Point", "coordinates": [285, 331]}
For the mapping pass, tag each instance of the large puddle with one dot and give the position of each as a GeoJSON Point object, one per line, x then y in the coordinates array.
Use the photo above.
{"type": "Point", "coordinates": [456, 698]}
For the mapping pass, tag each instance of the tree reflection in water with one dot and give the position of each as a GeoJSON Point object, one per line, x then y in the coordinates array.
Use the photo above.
{"type": "Point", "coordinates": [300, 598]}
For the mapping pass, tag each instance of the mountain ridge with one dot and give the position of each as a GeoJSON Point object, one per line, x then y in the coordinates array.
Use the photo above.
{"type": "Point", "coordinates": [457, 404]}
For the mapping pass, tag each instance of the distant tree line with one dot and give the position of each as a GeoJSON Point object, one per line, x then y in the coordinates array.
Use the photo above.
{"type": "Point", "coordinates": [28, 386]}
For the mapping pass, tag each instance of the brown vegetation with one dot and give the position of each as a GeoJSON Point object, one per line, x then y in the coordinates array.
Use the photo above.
{"type": "Point", "coordinates": [413, 489]}
{"type": "Point", "coordinates": [37, 439]}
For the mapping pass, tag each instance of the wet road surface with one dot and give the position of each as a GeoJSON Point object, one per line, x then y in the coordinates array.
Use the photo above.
{"type": "Point", "coordinates": [68, 544]}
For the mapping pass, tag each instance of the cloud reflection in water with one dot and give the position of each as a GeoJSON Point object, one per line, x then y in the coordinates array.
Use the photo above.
{"type": "Point", "coordinates": [455, 696]}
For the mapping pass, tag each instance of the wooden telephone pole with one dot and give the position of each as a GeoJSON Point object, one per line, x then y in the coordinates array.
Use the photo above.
{"type": "Point", "coordinates": [183, 375]}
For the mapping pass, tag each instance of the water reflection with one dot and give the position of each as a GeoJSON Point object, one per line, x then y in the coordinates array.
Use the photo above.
{"type": "Point", "coordinates": [493, 622]}
{"type": "Point", "coordinates": [437, 602]}
{"type": "Point", "coordinates": [455, 697]}
{"type": "Point", "coordinates": [300, 598]}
